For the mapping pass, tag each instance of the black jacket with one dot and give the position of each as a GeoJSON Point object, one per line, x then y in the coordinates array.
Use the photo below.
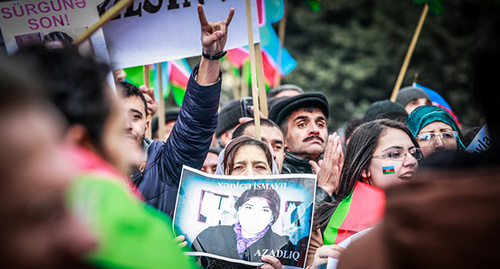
{"type": "Point", "coordinates": [221, 240]}
{"type": "Point", "coordinates": [296, 165]}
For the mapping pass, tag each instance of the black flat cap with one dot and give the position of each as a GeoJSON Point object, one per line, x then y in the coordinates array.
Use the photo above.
{"type": "Point", "coordinates": [170, 115]}
{"type": "Point", "coordinates": [285, 107]}
{"type": "Point", "coordinates": [229, 117]}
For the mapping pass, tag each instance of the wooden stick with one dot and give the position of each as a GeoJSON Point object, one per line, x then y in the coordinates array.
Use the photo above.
{"type": "Point", "coordinates": [261, 80]}
{"type": "Point", "coordinates": [145, 75]}
{"type": "Point", "coordinates": [409, 53]}
{"type": "Point", "coordinates": [281, 34]}
{"type": "Point", "coordinates": [255, 90]}
{"type": "Point", "coordinates": [105, 18]}
{"type": "Point", "coordinates": [161, 108]}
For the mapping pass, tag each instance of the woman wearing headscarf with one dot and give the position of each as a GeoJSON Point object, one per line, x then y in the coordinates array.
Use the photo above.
{"type": "Point", "coordinates": [251, 237]}
{"type": "Point", "coordinates": [435, 129]}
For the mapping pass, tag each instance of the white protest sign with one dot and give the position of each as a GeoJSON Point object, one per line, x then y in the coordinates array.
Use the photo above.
{"type": "Point", "coordinates": [152, 31]}
{"type": "Point", "coordinates": [481, 142]}
{"type": "Point", "coordinates": [27, 22]}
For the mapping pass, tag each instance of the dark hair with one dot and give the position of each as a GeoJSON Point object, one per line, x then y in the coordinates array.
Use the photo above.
{"type": "Point", "coordinates": [263, 122]}
{"type": "Point", "coordinates": [357, 159]}
{"type": "Point", "coordinates": [284, 127]}
{"type": "Point", "coordinates": [235, 145]}
{"type": "Point", "coordinates": [129, 89]}
{"type": "Point", "coordinates": [75, 85]}
{"type": "Point", "coordinates": [62, 37]}
{"type": "Point", "coordinates": [271, 196]}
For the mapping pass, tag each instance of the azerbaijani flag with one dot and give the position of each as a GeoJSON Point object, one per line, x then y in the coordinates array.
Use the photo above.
{"type": "Point", "coordinates": [438, 100]}
{"type": "Point", "coordinates": [363, 209]}
{"type": "Point", "coordinates": [268, 13]}
{"type": "Point", "coordinates": [175, 76]}
{"type": "Point", "coordinates": [386, 170]}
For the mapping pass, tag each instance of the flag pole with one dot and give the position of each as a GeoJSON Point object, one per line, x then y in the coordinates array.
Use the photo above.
{"type": "Point", "coordinates": [260, 78]}
{"type": "Point", "coordinates": [161, 108]}
{"type": "Point", "coordinates": [145, 76]}
{"type": "Point", "coordinates": [255, 90]}
{"type": "Point", "coordinates": [281, 35]}
{"type": "Point", "coordinates": [105, 18]}
{"type": "Point", "coordinates": [409, 53]}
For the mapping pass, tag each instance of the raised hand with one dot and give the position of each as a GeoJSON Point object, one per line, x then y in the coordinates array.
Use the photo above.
{"type": "Point", "coordinates": [328, 169]}
{"type": "Point", "coordinates": [213, 34]}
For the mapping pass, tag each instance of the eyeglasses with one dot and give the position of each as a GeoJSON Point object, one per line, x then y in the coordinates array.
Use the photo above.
{"type": "Point", "coordinates": [445, 136]}
{"type": "Point", "coordinates": [400, 154]}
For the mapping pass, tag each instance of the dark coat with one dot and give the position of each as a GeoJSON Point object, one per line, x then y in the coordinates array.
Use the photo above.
{"type": "Point", "coordinates": [221, 240]}
{"type": "Point", "coordinates": [187, 145]}
{"type": "Point", "coordinates": [296, 165]}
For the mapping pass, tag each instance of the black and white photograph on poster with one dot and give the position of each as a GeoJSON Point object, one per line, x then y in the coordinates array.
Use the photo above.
{"type": "Point", "coordinates": [241, 219]}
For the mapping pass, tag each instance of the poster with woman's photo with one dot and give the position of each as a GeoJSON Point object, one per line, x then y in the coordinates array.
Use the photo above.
{"type": "Point", "coordinates": [240, 219]}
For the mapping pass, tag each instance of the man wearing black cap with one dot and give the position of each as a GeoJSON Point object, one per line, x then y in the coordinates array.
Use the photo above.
{"type": "Point", "coordinates": [303, 120]}
{"type": "Point", "coordinates": [229, 117]}
{"type": "Point", "coordinates": [412, 97]}
{"type": "Point", "coordinates": [170, 120]}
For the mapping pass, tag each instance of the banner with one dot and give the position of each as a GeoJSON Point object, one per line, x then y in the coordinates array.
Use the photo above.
{"type": "Point", "coordinates": [481, 142]}
{"type": "Point", "coordinates": [30, 21]}
{"type": "Point", "coordinates": [240, 219]}
{"type": "Point", "coordinates": [152, 31]}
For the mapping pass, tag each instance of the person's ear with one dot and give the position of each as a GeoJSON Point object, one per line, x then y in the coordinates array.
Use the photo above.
{"type": "Point", "coordinates": [78, 135]}
{"type": "Point", "coordinates": [147, 125]}
{"type": "Point", "coordinates": [365, 176]}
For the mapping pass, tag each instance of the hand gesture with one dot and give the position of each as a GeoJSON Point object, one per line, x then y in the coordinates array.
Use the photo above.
{"type": "Point", "coordinates": [270, 263]}
{"type": "Point", "coordinates": [328, 169]}
{"type": "Point", "coordinates": [149, 95]}
{"type": "Point", "coordinates": [213, 34]}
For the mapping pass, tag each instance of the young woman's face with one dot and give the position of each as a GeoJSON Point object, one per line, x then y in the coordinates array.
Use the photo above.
{"type": "Point", "coordinates": [389, 165]}
{"type": "Point", "coordinates": [254, 216]}
{"type": "Point", "coordinates": [250, 160]}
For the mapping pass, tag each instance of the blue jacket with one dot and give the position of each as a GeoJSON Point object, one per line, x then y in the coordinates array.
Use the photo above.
{"type": "Point", "coordinates": [187, 145]}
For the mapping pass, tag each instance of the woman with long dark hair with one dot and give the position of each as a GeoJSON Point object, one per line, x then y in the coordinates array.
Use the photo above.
{"type": "Point", "coordinates": [380, 153]}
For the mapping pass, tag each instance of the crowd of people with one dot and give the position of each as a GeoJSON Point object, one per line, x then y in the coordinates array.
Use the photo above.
{"type": "Point", "coordinates": [86, 172]}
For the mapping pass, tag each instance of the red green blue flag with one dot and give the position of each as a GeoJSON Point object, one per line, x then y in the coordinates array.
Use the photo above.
{"type": "Point", "coordinates": [386, 170]}
{"type": "Point", "coordinates": [438, 100]}
{"type": "Point", "coordinates": [363, 209]}
{"type": "Point", "coordinates": [273, 54]}
{"type": "Point", "coordinates": [175, 77]}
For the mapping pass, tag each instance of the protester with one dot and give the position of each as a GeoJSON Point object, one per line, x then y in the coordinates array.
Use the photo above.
{"type": "Point", "coordinates": [435, 129]}
{"type": "Point", "coordinates": [229, 117]}
{"type": "Point", "coordinates": [269, 133]}
{"type": "Point", "coordinates": [246, 156]}
{"type": "Point", "coordinates": [380, 153]}
{"type": "Point", "coordinates": [303, 120]}
{"type": "Point", "coordinates": [433, 221]}
{"type": "Point", "coordinates": [37, 229]}
{"type": "Point", "coordinates": [386, 109]}
{"type": "Point", "coordinates": [191, 137]}
{"type": "Point", "coordinates": [210, 164]}
{"type": "Point", "coordinates": [287, 90]}
{"type": "Point", "coordinates": [97, 144]}
{"type": "Point", "coordinates": [412, 97]}
{"type": "Point", "coordinates": [170, 120]}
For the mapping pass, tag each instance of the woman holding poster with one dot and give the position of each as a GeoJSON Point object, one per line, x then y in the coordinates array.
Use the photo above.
{"type": "Point", "coordinates": [380, 153]}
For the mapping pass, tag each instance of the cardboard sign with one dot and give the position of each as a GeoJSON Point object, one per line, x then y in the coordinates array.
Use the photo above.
{"type": "Point", "coordinates": [152, 31]}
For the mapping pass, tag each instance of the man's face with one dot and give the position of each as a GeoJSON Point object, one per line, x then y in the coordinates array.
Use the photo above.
{"type": "Point", "coordinates": [38, 231]}
{"type": "Point", "coordinates": [306, 133]}
{"type": "Point", "coordinates": [416, 103]}
{"type": "Point", "coordinates": [274, 138]}
{"type": "Point", "coordinates": [137, 124]}
{"type": "Point", "coordinates": [117, 147]}
{"type": "Point", "coordinates": [210, 164]}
